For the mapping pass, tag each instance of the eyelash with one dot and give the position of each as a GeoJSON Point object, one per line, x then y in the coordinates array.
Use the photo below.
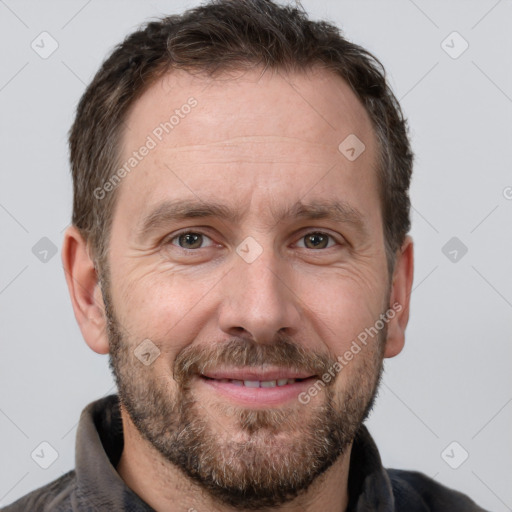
{"type": "Point", "coordinates": [169, 241]}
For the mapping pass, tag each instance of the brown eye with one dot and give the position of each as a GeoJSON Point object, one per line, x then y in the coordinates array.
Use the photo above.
{"type": "Point", "coordinates": [189, 240]}
{"type": "Point", "coordinates": [316, 240]}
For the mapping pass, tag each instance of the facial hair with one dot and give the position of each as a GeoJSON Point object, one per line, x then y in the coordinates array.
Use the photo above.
{"type": "Point", "coordinates": [267, 457]}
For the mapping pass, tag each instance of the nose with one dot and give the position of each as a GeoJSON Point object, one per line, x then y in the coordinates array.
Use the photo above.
{"type": "Point", "coordinates": [259, 300]}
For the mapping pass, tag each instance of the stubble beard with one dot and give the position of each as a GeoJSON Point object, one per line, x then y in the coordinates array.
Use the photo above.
{"type": "Point", "coordinates": [266, 457]}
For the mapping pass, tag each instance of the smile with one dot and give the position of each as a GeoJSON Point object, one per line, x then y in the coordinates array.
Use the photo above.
{"type": "Point", "coordinates": [249, 387]}
{"type": "Point", "coordinates": [259, 383]}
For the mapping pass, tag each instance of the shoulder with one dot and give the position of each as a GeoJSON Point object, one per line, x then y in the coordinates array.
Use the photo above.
{"type": "Point", "coordinates": [54, 496]}
{"type": "Point", "coordinates": [416, 491]}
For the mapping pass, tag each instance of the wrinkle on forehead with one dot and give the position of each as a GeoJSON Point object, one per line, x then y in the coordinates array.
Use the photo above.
{"type": "Point", "coordinates": [248, 139]}
{"type": "Point", "coordinates": [267, 149]}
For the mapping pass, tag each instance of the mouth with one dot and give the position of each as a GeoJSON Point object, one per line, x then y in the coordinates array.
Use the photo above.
{"type": "Point", "coordinates": [251, 383]}
{"type": "Point", "coordinates": [250, 387]}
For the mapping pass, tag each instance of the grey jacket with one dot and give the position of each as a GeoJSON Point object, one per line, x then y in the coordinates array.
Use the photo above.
{"type": "Point", "coordinates": [95, 486]}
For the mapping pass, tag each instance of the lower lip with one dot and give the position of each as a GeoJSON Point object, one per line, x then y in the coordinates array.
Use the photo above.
{"type": "Point", "coordinates": [258, 396]}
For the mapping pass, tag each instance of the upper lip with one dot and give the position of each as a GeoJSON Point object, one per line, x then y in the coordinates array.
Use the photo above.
{"type": "Point", "coordinates": [255, 374]}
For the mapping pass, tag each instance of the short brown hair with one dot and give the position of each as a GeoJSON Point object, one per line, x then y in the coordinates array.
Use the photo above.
{"type": "Point", "coordinates": [220, 36]}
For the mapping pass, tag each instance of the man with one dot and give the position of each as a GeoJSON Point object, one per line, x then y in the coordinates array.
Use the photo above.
{"type": "Point", "coordinates": [239, 247]}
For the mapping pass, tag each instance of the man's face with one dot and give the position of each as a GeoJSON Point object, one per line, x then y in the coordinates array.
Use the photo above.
{"type": "Point", "coordinates": [240, 306]}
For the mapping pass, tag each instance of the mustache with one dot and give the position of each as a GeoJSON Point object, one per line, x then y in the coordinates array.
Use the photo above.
{"type": "Point", "coordinates": [243, 352]}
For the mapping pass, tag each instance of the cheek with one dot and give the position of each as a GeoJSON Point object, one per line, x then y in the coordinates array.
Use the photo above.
{"type": "Point", "coordinates": [164, 305]}
{"type": "Point", "coordinates": [340, 305]}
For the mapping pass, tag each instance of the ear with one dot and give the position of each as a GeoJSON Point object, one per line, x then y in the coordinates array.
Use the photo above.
{"type": "Point", "coordinates": [400, 298]}
{"type": "Point", "coordinates": [84, 290]}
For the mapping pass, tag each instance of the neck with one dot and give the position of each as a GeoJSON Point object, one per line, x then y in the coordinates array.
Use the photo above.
{"type": "Point", "coordinates": [165, 487]}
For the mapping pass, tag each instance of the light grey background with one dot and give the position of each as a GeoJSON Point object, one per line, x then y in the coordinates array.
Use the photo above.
{"type": "Point", "coordinates": [453, 380]}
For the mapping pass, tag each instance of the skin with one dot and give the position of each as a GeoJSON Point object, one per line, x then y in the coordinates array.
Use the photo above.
{"type": "Point", "coordinates": [257, 142]}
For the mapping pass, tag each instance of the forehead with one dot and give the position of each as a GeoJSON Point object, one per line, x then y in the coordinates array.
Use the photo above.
{"type": "Point", "coordinates": [261, 102]}
{"type": "Point", "coordinates": [249, 130]}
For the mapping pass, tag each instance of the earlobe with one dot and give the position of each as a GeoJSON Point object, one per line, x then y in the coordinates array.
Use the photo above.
{"type": "Point", "coordinates": [84, 290]}
{"type": "Point", "coordinates": [400, 298]}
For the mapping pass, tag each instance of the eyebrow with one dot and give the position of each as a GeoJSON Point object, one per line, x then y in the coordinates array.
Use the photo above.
{"type": "Point", "coordinates": [168, 211]}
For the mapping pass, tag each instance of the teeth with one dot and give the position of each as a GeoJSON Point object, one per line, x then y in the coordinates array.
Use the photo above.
{"type": "Point", "coordinates": [259, 383]}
